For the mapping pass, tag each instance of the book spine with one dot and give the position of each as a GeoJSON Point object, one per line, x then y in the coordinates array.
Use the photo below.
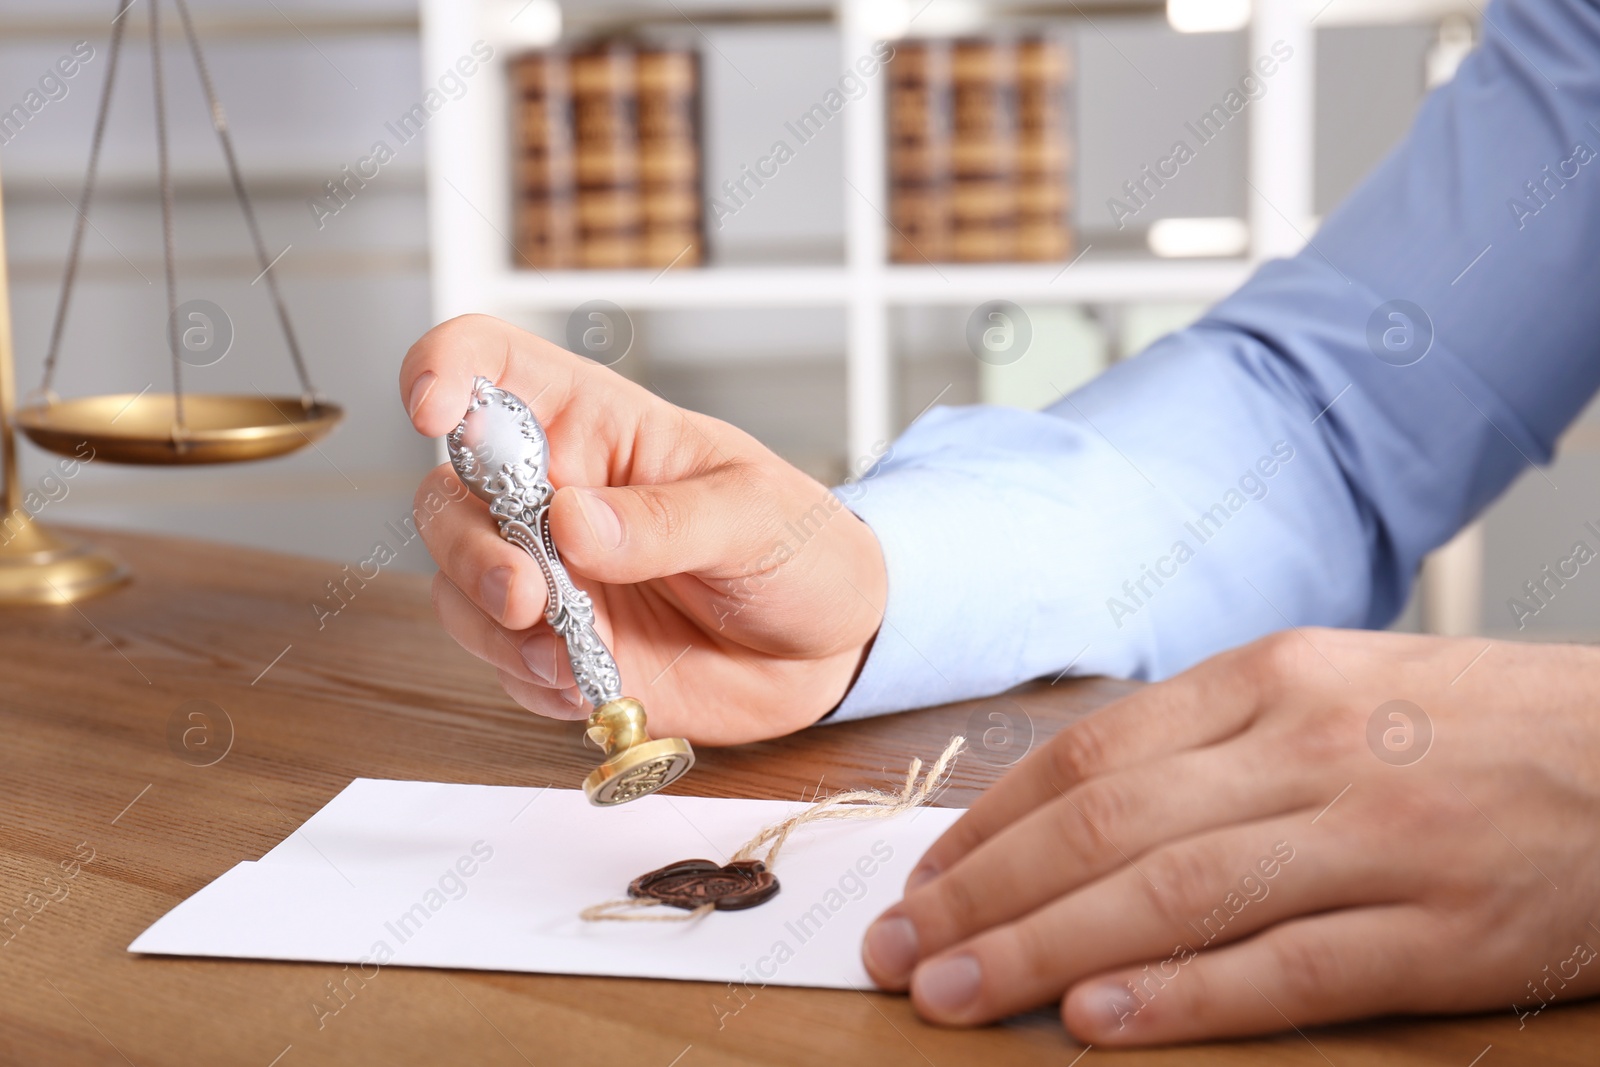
{"type": "Point", "coordinates": [919, 121]}
{"type": "Point", "coordinates": [610, 210]}
{"type": "Point", "coordinates": [669, 158]}
{"type": "Point", "coordinates": [543, 184]}
{"type": "Point", "coordinates": [1044, 155]}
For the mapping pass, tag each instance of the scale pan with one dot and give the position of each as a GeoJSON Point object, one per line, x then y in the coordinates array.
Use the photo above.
{"type": "Point", "coordinates": [142, 428]}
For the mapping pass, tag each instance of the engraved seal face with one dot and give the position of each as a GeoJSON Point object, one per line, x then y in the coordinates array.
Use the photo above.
{"type": "Point", "coordinates": [694, 883]}
{"type": "Point", "coordinates": [499, 446]}
{"type": "Point", "coordinates": [643, 779]}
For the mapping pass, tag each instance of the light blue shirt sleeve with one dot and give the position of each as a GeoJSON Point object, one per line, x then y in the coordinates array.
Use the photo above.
{"type": "Point", "coordinates": [1291, 457]}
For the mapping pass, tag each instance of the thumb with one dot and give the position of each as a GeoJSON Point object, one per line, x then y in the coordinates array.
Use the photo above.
{"type": "Point", "coordinates": [633, 533]}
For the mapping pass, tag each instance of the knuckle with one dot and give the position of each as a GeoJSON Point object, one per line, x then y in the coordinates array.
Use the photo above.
{"type": "Point", "coordinates": [461, 562]}
{"type": "Point", "coordinates": [1080, 843]}
{"type": "Point", "coordinates": [1036, 957]}
{"type": "Point", "coordinates": [472, 323]}
{"type": "Point", "coordinates": [1327, 737]}
{"type": "Point", "coordinates": [666, 518]}
{"type": "Point", "coordinates": [433, 496]}
{"type": "Point", "coordinates": [439, 343]}
{"type": "Point", "coordinates": [1182, 885]}
{"type": "Point", "coordinates": [1200, 996]}
{"type": "Point", "coordinates": [1422, 813]}
{"type": "Point", "coordinates": [1308, 966]}
{"type": "Point", "coordinates": [455, 615]}
{"type": "Point", "coordinates": [1102, 809]}
{"type": "Point", "coordinates": [1280, 658]}
{"type": "Point", "coordinates": [1078, 754]}
{"type": "Point", "coordinates": [956, 907]}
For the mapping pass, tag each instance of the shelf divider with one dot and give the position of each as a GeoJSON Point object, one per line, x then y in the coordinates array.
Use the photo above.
{"type": "Point", "coordinates": [1281, 133]}
{"type": "Point", "coordinates": [868, 363]}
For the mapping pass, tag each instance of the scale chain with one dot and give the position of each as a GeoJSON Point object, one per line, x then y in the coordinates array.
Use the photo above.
{"type": "Point", "coordinates": [168, 249]}
{"type": "Point", "coordinates": [75, 252]}
{"type": "Point", "coordinates": [219, 122]}
{"type": "Point", "coordinates": [246, 207]}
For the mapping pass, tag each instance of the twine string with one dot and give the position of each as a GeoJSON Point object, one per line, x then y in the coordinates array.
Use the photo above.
{"type": "Point", "coordinates": [918, 789]}
{"type": "Point", "coordinates": [628, 909]}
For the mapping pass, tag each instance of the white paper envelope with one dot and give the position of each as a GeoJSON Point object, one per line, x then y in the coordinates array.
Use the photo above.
{"type": "Point", "coordinates": [494, 877]}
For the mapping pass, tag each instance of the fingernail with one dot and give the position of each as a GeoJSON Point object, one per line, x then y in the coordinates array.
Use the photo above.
{"type": "Point", "coordinates": [891, 947]}
{"type": "Point", "coordinates": [603, 522]}
{"type": "Point", "coordinates": [494, 590]}
{"type": "Point", "coordinates": [567, 706]}
{"type": "Point", "coordinates": [947, 985]}
{"type": "Point", "coordinates": [539, 653]}
{"type": "Point", "coordinates": [920, 876]}
{"type": "Point", "coordinates": [420, 390]}
{"type": "Point", "coordinates": [1111, 1005]}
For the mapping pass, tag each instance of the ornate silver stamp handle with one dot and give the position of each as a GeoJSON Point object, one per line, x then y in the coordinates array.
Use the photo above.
{"type": "Point", "coordinates": [569, 612]}
{"type": "Point", "coordinates": [501, 453]}
{"type": "Point", "coordinates": [504, 457]}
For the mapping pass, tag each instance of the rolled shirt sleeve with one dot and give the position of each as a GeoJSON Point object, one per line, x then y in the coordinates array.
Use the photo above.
{"type": "Point", "coordinates": [1290, 458]}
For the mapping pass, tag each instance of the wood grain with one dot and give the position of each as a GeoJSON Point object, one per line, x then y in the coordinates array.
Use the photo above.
{"type": "Point", "coordinates": [86, 695]}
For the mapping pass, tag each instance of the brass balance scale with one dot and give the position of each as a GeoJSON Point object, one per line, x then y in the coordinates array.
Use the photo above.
{"type": "Point", "coordinates": [41, 567]}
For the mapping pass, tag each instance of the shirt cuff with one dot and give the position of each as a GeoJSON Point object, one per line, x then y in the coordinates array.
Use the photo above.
{"type": "Point", "coordinates": [954, 577]}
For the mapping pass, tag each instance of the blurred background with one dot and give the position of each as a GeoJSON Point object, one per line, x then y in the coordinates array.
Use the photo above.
{"type": "Point", "coordinates": [605, 173]}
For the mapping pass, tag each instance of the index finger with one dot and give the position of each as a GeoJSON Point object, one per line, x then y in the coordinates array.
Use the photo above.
{"type": "Point", "coordinates": [437, 373]}
{"type": "Point", "coordinates": [1202, 706]}
{"type": "Point", "coordinates": [603, 428]}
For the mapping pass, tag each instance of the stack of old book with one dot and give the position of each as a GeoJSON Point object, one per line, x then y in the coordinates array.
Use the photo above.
{"type": "Point", "coordinates": [607, 157]}
{"type": "Point", "coordinates": [979, 151]}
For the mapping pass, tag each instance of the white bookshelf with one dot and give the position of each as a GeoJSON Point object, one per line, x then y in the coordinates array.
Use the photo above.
{"type": "Point", "coordinates": [470, 218]}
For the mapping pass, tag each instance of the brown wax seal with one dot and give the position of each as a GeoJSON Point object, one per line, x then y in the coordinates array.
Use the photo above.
{"type": "Point", "coordinates": [691, 884]}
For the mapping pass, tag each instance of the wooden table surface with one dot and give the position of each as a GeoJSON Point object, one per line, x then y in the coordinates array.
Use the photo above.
{"type": "Point", "coordinates": [87, 695]}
